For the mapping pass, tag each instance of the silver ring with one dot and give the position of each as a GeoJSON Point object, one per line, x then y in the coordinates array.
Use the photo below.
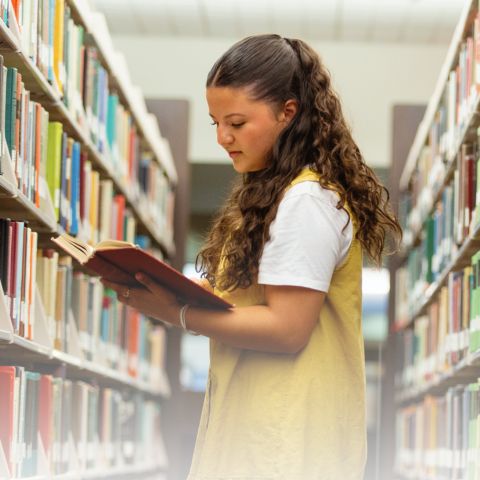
{"type": "Point", "coordinates": [126, 293]}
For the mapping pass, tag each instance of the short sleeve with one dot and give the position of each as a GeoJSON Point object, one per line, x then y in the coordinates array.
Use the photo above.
{"type": "Point", "coordinates": [307, 239]}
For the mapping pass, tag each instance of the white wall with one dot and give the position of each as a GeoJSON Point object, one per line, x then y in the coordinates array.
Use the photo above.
{"type": "Point", "coordinates": [370, 79]}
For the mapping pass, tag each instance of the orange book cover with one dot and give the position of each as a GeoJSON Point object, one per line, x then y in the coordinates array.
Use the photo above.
{"type": "Point", "coordinates": [119, 261]}
{"type": "Point", "coordinates": [133, 334]}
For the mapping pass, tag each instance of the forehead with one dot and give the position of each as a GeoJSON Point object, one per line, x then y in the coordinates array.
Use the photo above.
{"type": "Point", "coordinates": [225, 100]}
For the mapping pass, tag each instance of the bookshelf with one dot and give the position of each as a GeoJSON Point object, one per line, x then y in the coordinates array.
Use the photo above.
{"type": "Point", "coordinates": [436, 309]}
{"type": "Point", "coordinates": [82, 377]}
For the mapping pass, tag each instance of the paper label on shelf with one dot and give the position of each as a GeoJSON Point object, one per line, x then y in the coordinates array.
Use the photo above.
{"type": "Point", "coordinates": [448, 343]}
{"type": "Point", "coordinates": [455, 342]}
{"type": "Point", "coordinates": [431, 363]}
{"type": "Point", "coordinates": [447, 455]}
{"type": "Point", "coordinates": [459, 458]}
{"type": "Point", "coordinates": [474, 324]}
{"type": "Point", "coordinates": [470, 455]}
{"type": "Point", "coordinates": [65, 452]}
{"type": "Point", "coordinates": [90, 451]}
{"type": "Point", "coordinates": [84, 341]}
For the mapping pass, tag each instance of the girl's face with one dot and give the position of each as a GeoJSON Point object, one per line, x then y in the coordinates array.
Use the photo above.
{"type": "Point", "coordinates": [246, 128]}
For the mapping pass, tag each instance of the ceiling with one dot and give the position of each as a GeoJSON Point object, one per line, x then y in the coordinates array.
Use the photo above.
{"type": "Point", "coordinates": [403, 21]}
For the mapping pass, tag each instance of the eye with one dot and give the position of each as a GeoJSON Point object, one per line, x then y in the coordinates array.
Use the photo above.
{"type": "Point", "coordinates": [237, 125]}
{"type": "Point", "coordinates": [214, 123]}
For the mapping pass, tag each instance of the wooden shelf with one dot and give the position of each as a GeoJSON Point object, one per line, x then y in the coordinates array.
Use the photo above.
{"type": "Point", "coordinates": [468, 133]}
{"type": "Point", "coordinates": [449, 63]}
{"type": "Point", "coordinates": [22, 351]}
{"type": "Point", "coordinates": [462, 259]}
{"type": "Point", "coordinates": [464, 372]}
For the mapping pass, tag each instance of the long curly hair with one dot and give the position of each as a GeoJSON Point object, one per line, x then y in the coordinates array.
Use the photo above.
{"type": "Point", "coordinates": [274, 70]}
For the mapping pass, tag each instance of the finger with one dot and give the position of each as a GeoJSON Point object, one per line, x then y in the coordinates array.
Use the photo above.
{"type": "Point", "coordinates": [114, 286]}
{"type": "Point", "coordinates": [147, 282]}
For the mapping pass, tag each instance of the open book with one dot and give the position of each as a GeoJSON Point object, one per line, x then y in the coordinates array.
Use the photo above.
{"type": "Point", "coordinates": [119, 261]}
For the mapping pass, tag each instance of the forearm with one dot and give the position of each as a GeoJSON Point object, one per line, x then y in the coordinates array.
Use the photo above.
{"type": "Point", "coordinates": [256, 328]}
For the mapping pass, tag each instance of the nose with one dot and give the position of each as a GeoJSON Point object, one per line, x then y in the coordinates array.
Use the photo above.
{"type": "Point", "coordinates": [224, 137]}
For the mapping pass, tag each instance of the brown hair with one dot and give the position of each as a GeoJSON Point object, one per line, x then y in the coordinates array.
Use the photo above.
{"type": "Point", "coordinates": [275, 70]}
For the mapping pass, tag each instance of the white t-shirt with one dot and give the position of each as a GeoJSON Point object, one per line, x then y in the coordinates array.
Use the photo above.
{"type": "Point", "coordinates": [306, 239]}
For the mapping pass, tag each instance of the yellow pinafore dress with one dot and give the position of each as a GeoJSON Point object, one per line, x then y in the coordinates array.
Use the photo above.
{"type": "Point", "coordinates": [269, 416]}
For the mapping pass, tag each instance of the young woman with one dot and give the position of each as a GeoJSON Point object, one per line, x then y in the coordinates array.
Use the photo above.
{"type": "Point", "coordinates": [286, 390]}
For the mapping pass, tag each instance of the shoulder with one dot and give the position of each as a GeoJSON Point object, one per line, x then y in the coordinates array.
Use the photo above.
{"type": "Point", "coordinates": [311, 189]}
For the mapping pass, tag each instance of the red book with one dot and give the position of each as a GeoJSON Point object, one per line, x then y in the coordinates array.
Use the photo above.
{"type": "Point", "coordinates": [120, 203]}
{"type": "Point", "coordinates": [45, 413]}
{"type": "Point", "coordinates": [7, 384]}
{"type": "Point", "coordinates": [119, 261]}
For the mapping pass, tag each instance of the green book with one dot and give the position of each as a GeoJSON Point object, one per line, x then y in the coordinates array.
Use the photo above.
{"type": "Point", "coordinates": [11, 110]}
{"type": "Point", "coordinates": [54, 161]}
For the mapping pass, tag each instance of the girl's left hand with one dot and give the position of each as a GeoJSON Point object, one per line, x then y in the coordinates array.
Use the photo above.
{"type": "Point", "coordinates": [154, 300]}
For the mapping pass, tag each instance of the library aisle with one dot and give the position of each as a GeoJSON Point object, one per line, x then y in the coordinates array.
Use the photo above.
{"type": "Point", "coordinates": [105, 135]}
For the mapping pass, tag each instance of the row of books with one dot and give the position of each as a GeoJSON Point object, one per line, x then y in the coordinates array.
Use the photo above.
{"type": "Point", "coordinates": [454, 111]}
{"type": "Point", "coordinates": [72, 426]}
{"type": "Point", "coordinates": [69, 59]}
{"type": "Point", "coordinates": [40, 149]}
{"type": "Point", "coordinates": [447, 333]}
{"type": "Point", "coordinates": [106, 331]}
{"type": "Point", "coordinates": [440, 436]}
{"type": "Point", "coordinates": [454, 218]}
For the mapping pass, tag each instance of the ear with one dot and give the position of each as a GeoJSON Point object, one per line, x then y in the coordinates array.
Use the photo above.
{"type": "Point", "coordinates": [289, 111]}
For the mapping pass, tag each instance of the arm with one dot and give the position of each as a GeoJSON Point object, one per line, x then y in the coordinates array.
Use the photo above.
{"type": "Point", "coordinates": [283, 325]}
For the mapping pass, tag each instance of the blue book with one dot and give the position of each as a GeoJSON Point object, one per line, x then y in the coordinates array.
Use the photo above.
{"type": "Point", "coordinates": [75, 193]}
{"type": "Point", "coordinates": [111, 119]}
{"type": "Point", "coordinates": [51, 26]}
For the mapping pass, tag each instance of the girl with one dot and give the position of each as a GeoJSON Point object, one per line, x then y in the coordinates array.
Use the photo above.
{"type": "Point", "coordinates": [286, 390]}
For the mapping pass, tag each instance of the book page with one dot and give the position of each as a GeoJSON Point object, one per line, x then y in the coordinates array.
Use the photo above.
{"type": "Point", "coordinates": [109, 244]}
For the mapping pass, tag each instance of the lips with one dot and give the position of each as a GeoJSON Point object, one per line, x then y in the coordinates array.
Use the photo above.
{"type": "Point", "coordinates": [234, 153]}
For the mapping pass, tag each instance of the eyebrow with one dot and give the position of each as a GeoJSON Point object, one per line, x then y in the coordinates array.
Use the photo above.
{"type": "Point", "coordinates": [230, 115]}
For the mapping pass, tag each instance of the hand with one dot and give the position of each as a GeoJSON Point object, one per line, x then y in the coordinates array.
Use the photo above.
{"type": "Point", "coordinates": [203, 282]}
{"type": "Point", "coordinates": [153, 300]}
